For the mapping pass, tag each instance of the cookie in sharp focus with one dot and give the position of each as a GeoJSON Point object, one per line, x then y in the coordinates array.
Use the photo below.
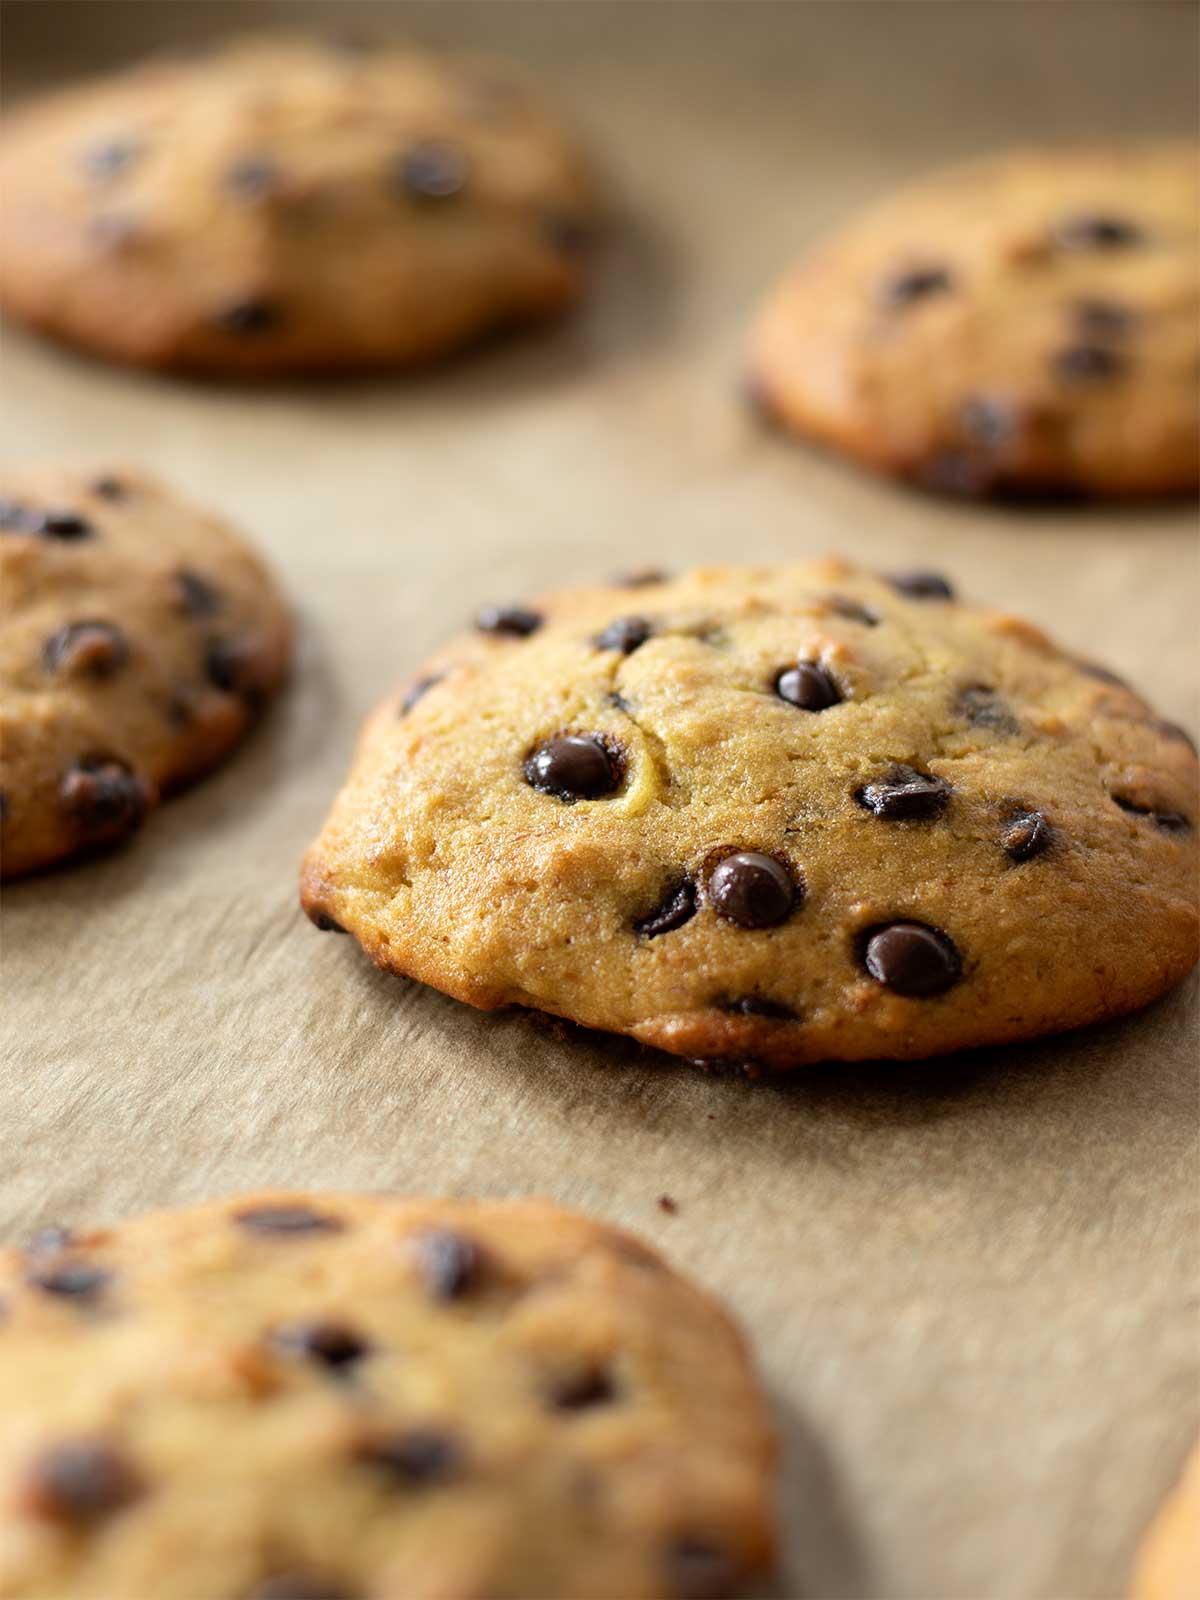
{"type": "Point", "coordinates": [288, 204]}
{"type": "Point", "coordinates": [781, 814]}
{"type": "Point", "coordinates": [293, 1396]}
{"type": "Point", "coordinates": [1026, 324]}
{"type": "Point", "coordinates": [139, 638]}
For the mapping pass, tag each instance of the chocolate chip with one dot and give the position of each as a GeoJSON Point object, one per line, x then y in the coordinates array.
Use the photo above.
{"type": "Point", "coordinates": [69, 1280]}
{"type": "Point", "coordinates": [200, 597]}
{"type": "Point", "coordinates": [60, 524]}
{"type": "Point", "coordinates": [911, 959]}
{"type": "Point", "coordinates": [108, 157]}
{"type": "Point", "coordinates": [231, 665]}
{"type": "Point", "coordinates": [903, 794]}
{"type": "Point", "coordinates": [328, 1343]}
{"type": "Point", "coordinates": [104, 798]}
{"type": "Point", "coordinates": [109, 488]}
{"type": "Point", "coordinates": [989, 420]}
{"type": "Point", "coordinates": [286, 1219]}
{"type": "Point", "coordinates": [808, 686]}
{"type": "Point", "coordinates": [1168, 821]}
{"type": "Point", "coordinates": [325, 924]}
{"type": "Point", "coordinates": [696, 1569]}
{"type": "Point", "coordinates": [753, 890]}
{"type": "Point", "coordinates": [516, 621]}
{"type": "Point", "coordinates": [415, 1457]}
{"type": "Point", "coordinates": [852, 610]}
{"type": "Point", "coordinates": [984, 708]}
{"type": "Point", "coordinates": [433, 170]}
{"type": "Point", "coordinates": [299, 1586]}
{"type": "Point", "coordinates": [1103, 318]}
{"type": "Point", "coordinates": [449, 1263]}
{"type": "Point", "coordinates": [640, 578]}
{"type": "Point", "coordinates": [1096, 231]}
{"type": "Point", "coordinates": [575, 766]}
{"type": "Point", "coordinates": [915, 283]}
{"type": "Point", "coordinates": [677, 907]}
{"type": "Point", "coordinates": [753, 1005]}
{"type": "Point", "coordinates": [1085, 363]}
{"type": "Point", "coordinates": [582, 1390]}
{"type": "Point", "coordinates": [252, 177]}
{"type": "Point", "coordinates": [81, 1482]}
{"type": "Point", "coordinates": [570, 236]}
{"type": "Point", "coordinates": [418, 691]}
{"type": "Point", "coordinates": [1026, 834]}
{"type": "Point", "coordinates": [625, 634]}
{"type": "Point", "coordinates": [249, 318]}
{"type": "Point", "coordinates": [919, 585]}
{"type": "Point", "coordinates": [90, 648]}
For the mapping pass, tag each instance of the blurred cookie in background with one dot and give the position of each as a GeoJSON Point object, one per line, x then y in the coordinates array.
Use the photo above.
{"type": "Point", "coordinates": [1028, 324]}
{"type": "Point", "coordinates": [139, 638]}
{"type": "Point", "coordinates": [1168, 1562]}
{"type": "Point", "coordinates": [285, 205]}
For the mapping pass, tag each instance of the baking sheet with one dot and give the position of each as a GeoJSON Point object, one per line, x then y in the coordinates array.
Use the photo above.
{"type": "Point", "coordinates": [969, 1283]}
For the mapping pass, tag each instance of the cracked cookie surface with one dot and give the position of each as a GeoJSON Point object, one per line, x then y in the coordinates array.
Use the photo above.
{"type": "Point", "coordinates": [139, 638]}
{"type": "Point", "coordinates": [353, 1397]}
{"type": "Point", "coordinates": [1027, 323]}
{"type": "Point", "coordinates": [287, 205]}
{"type": "Point", "coordinates": [776, 814]}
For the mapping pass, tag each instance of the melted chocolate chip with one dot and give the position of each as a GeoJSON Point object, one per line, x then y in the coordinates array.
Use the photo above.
{"type": "Point", "coordinates": [753, 1005]}
{"type": "Point", "coordinates": [81, 1482]}
{"type": "Point", "coordinates": [68, 1280]}
{"type": "Point", "coordinates": [62, 524]}
{"type": "Point", "coordinates": [625, 634]}
{"type": "Point", "coordinates": [911, 959]}
{"type": "Point", "coordinates": [433, 170]}
{"type": "Point", "coordinates": [852, 610]}
{"type": "Point", "coordinates": [582, 1390]}
{"type": "Point", "coordinates": [415, 1457]}
{"type": "Point", "coordinates": [1096, 231]}
{"type": "Point", "coordinates": [105, 799]}
{"type": "Point", "coordinates": [919, 585]}
{"type": "Point", "coordinates": [252, 177]}
{"type": "Point", "coordinates": [417, 691]}
{"type": "Point", "coordinates": [109, 157]}
{"type": "Point", "coordinates": [903, 794]}
{"type": "Point", "coordinates": [328, 1343]}
{"type": "Point", "coordinates": [983, 708]}
{"type": "Point", "coordinates": [449, 1263]}
{"type": "Point", "coordinates": [1166, 820]}
{"type": "Point", "coordinates": [808, 686]}
{"type": "Point", "coordinates": [1102, 319]}
{"type": "Point", "coordinates": [231, 666]}
{"type": "Point", "coordinates": [574, 767]}
{"type": "Point", "coordinates": [89, 648]}
{"type": "Point", "coordinates": [915, 283]}
{"type": "Point", "coordinates": [696, 1569]}
{"type": "Point", "coordinates": [753, 890]}
{"type": "Point", "coordinates": [1026, 834]}
{"type": "Point", "coordinates": [324, 923]}
{"type": "Point", "coordinates": [249, 318]}
{"type": "Point", "coordinates": [514, 621]}
{"type": "Point", "coordinates": [677, 907]}
{"type": "Point", "coordinates": [300, 1586]}
{"type": "Point", "coordinates": [640, 578]}
{"type": "Point", "coordinates": [1087, 363]}
{"type": "Point", "coordinates": [286, 1220]}
{"type": "Point", "coordinates": [199, 596]}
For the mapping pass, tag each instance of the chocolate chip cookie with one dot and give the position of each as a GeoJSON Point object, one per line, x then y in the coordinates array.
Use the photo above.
{"type": "Point", "coordinates": [778, 814]}
{"type": "Point", "coordinates": [346, 1397]}
{"type": "Point", "coordinates": [1026, 324]}
{"type": "Point", "coordinates": [1168, 1563]}
{"type": "Point", "coordinates": [138, 639]}
{"type": "Point", "coordinates": [285, 204]}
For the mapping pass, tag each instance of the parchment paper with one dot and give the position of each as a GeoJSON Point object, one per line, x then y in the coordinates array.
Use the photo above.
{"type": "Point", "coordinates": [968, 1282]}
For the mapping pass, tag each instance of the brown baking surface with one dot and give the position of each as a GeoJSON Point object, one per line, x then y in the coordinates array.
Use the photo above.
{"type": "Point", "coordinates": [971, 1284]}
